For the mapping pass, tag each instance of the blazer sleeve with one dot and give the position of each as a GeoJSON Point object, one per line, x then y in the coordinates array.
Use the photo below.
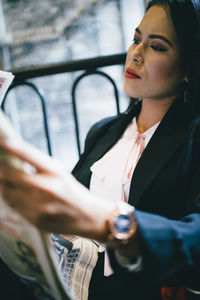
{"type": "Point", "coordinates": [170, 251]}
{"type": "Point", "coordinates": [171, 248]}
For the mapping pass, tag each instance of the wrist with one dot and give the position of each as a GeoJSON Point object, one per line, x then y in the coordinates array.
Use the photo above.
{"type": "Point", "coordinates": [122, 231]}
{"type": "Point", "coordinates": [131, 249]}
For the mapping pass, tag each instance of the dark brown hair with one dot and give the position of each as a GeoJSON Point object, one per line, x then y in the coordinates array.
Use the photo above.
{"type": "Point", "coordinates": [185, 16]}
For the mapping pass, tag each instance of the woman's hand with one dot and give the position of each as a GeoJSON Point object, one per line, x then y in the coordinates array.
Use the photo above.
{"type": "Point", "coordinates": [50, 198]}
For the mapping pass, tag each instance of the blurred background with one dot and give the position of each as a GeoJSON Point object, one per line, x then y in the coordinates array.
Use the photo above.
{"type": "Point", "coordinates": [35, 34]}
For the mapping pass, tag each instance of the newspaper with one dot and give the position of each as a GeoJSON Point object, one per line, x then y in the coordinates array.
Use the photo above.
{"type": "Point", "coordinates": [52, 266]}
{"type": "Point", "coordinates": [6, 79]}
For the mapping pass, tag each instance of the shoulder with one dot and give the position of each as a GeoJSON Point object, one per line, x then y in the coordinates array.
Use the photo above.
{"type": "Point", "coordinates": [100, 126]}
{"type": "Point", "coordinates": [82, 169]}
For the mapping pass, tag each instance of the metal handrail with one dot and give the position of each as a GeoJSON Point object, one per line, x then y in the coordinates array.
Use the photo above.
{"type": "Point", "coordinates": [79, 78]}
{"type": "Point", "coordinates": [71, 66]}
{"type": "Point", "coordinates": [44, 110]}
{"type": "Point", "coordinates": [89, 66]}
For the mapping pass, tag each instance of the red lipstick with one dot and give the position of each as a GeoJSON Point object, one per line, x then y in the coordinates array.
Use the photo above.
{"type": "Point", "coordinates": [130, 73]}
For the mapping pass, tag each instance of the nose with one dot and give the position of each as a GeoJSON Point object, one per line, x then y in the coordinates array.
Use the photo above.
{"type": "Point", "coordinates": [137, 54]}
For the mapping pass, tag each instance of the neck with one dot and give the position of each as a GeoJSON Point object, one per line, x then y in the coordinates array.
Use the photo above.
{"type": "Point", "coordinates": [152, 112]}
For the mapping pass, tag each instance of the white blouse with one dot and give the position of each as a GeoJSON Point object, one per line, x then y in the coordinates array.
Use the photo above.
{"type": "Point", "coordinates": [111, 175]}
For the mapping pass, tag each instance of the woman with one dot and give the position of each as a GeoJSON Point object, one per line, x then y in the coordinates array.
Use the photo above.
{"type": "Point", "coordinates": [148, 156]}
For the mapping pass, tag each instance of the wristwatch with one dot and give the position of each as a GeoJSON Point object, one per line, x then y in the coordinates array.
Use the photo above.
{"type": "Point", "coordinates": [122, 225]}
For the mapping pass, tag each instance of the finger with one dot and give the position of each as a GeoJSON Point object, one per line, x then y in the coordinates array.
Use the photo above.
{"type": "Point", "coordinates": [46, 185]}
{"type": "Point", "coordinates": [21, 202]}
{"type": "Point", "coordinates": [26, 199]}
{"type": "Point", "coordinates": [10, 175]}
{"type": "Point", "coordinates": [10, 195]}
{"type": "Point", "coordinates": [40, 213]}
{"type": "Point", "coordinates": [26, 152]}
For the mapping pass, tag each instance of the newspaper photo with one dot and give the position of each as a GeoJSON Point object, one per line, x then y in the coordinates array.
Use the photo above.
{"type": "Point", "coordinates": [52, 266]}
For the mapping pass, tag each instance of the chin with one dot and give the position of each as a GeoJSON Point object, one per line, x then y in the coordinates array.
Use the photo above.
{"type": "Point", "coordinates": [132, 93]}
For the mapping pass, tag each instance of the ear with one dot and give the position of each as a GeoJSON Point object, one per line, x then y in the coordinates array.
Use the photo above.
{"type": "Point", "coordinates": [185, 79]}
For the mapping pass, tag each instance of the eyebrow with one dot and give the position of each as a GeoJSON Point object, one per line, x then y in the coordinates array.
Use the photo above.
{"type": "Point", "coordinates": [155, 36]}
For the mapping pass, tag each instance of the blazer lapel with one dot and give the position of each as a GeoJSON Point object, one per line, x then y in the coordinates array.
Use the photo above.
{"type": "Point", "coordinates": [102, 142]}
{"type": "Point", "coordinates": [166, 140]}
{"type": "Point", "coordinates": [114, 133]}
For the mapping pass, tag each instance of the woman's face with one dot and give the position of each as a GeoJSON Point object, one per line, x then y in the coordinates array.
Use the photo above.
{"type": "Point", "coordinates": [153, 69]}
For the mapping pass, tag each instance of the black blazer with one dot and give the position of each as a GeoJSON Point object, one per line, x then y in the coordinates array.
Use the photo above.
{"type": "Point", "coordinates": [165, 189]}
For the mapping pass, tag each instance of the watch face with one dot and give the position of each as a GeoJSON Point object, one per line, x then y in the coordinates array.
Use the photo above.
{"type": "Point", "coordinates": [123, 223]}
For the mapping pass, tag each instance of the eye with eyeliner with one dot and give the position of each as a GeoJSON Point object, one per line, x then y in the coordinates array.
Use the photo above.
{"type": "Point", "coordinates": [136, 41]}
{"type": "Point", "coordinates": [158, 48]}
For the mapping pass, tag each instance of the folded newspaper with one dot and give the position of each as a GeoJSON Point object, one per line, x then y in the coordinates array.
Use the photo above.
{"type": "Point", "coordinates": [52, 266]}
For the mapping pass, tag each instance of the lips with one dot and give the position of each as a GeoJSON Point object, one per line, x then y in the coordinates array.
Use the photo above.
{"type": "Point", "coordinates": [130, 73]}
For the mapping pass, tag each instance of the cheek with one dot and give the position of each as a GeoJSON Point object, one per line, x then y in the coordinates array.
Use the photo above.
{"type": "Point", "coordinates": [164, 69]}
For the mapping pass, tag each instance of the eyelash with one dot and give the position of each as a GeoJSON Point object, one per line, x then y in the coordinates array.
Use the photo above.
{"type": "Point", "coordinates": [158, 49]}
{"type": "Point", "coordinates": [155, 48]}
{"type": "Point", "coordinates": [135, 41]}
